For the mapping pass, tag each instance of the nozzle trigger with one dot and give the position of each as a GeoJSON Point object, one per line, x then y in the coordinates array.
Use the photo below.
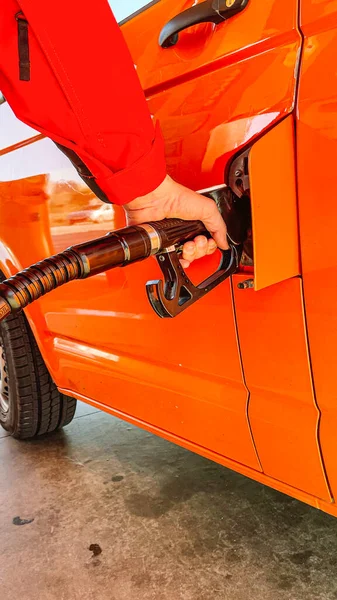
{"type": "Point", "coordinates": [177, 292]}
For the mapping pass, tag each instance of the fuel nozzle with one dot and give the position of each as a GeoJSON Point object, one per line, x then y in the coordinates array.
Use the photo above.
{"type": "Point", "coordinates": [116, 249]}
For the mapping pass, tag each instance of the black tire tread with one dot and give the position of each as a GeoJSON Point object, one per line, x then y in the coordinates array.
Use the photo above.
{"type": "Point", "coordinates": [41, 408]}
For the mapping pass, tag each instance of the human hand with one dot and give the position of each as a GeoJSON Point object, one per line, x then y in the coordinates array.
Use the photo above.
{"type": "Point", "coordinates": [172, 200]}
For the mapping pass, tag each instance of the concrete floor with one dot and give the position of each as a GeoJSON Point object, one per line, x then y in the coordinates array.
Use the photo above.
{"type": "Point", "coordinates": [118, 514]}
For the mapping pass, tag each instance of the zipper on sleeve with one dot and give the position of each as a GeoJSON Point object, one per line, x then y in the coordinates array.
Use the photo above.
{"type": "Point", "coordinates": [23, 47]}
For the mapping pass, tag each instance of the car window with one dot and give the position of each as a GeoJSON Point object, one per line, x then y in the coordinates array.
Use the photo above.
{"type": "Point", "coordinates": [127, 9]}
{"type": "Point", "coordinates": [12, 131]}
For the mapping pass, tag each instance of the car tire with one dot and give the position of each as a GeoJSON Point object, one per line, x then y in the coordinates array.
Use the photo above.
{"type": "Point", "coordinates": [30, 403]}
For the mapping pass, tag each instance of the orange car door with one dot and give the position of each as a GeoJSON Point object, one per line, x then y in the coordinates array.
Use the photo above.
{"type": "Point", "coordinates": [209, 93]}
{"type": "Point", "coordinates": [99, 337]}
{"type": "Point", "coordinates": [212, 93]}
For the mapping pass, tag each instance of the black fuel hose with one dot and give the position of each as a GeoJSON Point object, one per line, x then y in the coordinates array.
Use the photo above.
{"type": "Point", "coordinates": [118, 248]}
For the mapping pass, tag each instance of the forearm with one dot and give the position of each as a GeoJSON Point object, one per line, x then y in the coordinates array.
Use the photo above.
{"type": "Point", "coordinates": [84, 92]}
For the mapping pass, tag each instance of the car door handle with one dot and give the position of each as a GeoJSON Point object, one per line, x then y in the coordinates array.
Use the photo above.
{"type": "Point", "coordinates": [211, 11]}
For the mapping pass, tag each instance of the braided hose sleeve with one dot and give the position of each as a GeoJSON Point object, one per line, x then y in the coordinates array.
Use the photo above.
{"type": "Point", "coordinates": [30, 284]}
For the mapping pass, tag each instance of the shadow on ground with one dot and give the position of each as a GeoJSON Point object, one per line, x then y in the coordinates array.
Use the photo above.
{"type": "Point", "coordinates": [121, 514]}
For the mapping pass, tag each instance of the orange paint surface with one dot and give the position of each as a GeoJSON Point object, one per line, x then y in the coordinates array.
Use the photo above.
{"type": "Point", "coordinates": [219, 87]}
{"type": "Point", "coordinates": [274, 206]}
{"type": "Point", "coordinates": [243, 377]}
{"type": "Point", "coordinates": [282, 411]}
{"type": "Point", "coordinates": [317, 154]}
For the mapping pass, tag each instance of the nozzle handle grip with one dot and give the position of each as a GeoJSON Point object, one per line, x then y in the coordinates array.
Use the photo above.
{"type": "Point", "coordinates": [178, 231]}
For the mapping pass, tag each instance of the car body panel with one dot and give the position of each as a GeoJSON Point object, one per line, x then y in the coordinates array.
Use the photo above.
{"type": "Point", "coordinates": [282, 410]}
{"type": "Point", "coordinates": [271, 323]}
{"type": "Point", "coordinates": [110, 314]}
{"type": "Point", "coordinates": [220, 379]}
{"type": "Point", "coordinates": [274, 206]}
{"type": "Point", "coordinates": [317, 152]}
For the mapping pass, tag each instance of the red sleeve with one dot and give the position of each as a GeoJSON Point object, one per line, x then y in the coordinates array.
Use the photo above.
{"type": "Point", "coordinates": [83, 91]}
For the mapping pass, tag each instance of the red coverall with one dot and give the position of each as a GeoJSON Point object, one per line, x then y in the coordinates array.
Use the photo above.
{"type": "Point", "coordinates": [66, 71]}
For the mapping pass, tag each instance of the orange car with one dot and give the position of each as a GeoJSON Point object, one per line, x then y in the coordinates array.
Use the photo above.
{"type": "Point", "coordinates": [245, 376]}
